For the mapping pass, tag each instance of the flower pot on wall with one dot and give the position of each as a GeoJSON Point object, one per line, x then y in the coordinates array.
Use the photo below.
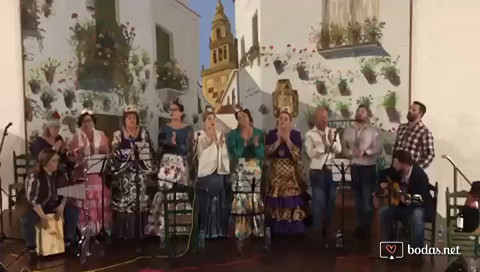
{"type": "Point", "coordinates": [34, 86]}
{"type": "Point", "coordinates": [278, 66]}
{"type": "Point", "coordinates": [28, 110]}
{"type": "Point", "coordinates": [302, 73]}
{"type": "Point", "coordinates": [321, 87]}
{"type": "Point", "coordinates": [107, 104]}
{"type": "Point", "coordinates": [49, 76]}
{"type": "Point", "coordinates": [393, 115]}
{"type": "Point", "coordinates": [394, 78]}
{"type": "Point", "coordinates": [71, 123]}
{"type": "Point", "coordinates": [345, 113]}
{"type": "Point", "coordinates": [68, 99]}
{"type": "Point", "coordinates": [343, 88]}
{"type": "Point", "coordinates": [369, 75]}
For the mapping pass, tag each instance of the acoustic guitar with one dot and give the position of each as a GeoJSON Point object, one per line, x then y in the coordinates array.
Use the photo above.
{"type": "Point", "coordinates": [394, 193]}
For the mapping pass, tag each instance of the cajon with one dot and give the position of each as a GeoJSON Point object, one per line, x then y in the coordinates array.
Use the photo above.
{"type": "Point", "coordinates": [50, 241]}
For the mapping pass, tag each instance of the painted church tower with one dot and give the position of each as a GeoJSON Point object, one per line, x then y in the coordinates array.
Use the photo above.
{"type": "Point", "coordinates": [223, 59]}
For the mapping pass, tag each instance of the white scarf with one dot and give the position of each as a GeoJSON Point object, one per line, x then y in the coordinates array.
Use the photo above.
{"type": "Point", "coordinates": [83, 141]}
{"type": "Point", "coordinates": [211, 157]}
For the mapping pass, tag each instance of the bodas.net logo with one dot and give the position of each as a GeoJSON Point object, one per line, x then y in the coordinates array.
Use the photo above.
{"type": "Point", "coordinates": [391, 250]}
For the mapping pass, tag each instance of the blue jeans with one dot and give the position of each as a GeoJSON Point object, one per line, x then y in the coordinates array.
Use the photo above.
{"type": "Point", "coordinates": [414, 215]}
{"type": "Point", "coordinates": [29, 220]}
{"type": "Point", "coordinates": [364, 183]}
{"type": "Point", "coordinates": [323, 198]}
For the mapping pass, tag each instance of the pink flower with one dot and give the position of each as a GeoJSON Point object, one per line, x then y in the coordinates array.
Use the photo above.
{"type": "Point", "coordinates": [271, 46]}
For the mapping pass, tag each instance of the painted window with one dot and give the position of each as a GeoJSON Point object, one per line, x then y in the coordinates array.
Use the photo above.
{"type": "Point", "coordinates": [163, 42]}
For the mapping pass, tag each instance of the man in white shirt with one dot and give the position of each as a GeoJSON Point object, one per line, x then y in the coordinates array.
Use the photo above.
{"type": "Point", "coordinates": [321, 145]}
{"type": "Point", "coordinates": [363, 145]}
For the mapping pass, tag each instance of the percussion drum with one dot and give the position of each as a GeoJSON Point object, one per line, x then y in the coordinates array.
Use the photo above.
{"type": "Point", "coordinates": [50, 241]}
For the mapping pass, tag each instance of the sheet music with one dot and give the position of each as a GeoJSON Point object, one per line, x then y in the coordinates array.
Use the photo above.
{"type": "Point", "coordinates": [76, 191]}
{"type": "Point", "coordinates": [143, 152]}
{"type": "Point", "coordinates": [95, 163]}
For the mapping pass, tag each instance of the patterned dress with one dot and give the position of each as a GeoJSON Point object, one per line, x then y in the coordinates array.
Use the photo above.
{"type": "Point", "coordinates": [173, 170]}
{"type": "Point", "coordinates": [247, 205]}
{"type": "Point", "coordinates": [286, 197]}
{"type": "Point", "coordinates": [124, 195]}
{"type": "Point", "coordinates": [91, 214]}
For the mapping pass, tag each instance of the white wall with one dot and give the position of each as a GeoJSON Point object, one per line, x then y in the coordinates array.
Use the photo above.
{"type": "Point", "coordinates": [11, 90]}
{"type": "Point", "coordinates": [445, 78]}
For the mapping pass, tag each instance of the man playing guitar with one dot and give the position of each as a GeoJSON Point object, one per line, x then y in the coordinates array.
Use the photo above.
{"type": "Point", "coordinates": [415, 204]}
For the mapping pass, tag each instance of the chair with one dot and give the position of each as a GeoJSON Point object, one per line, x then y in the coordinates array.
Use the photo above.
{"type": "Point", "coordinates": [431, 223]}
{"type": "Point", "coordinates": [179, 214]}
{"type": "Point", "coordinates": [468, 242]}
{"type": "Point", "coordinates": [21, 165]}
{"type": "Point", "coordinates": [403, 234]}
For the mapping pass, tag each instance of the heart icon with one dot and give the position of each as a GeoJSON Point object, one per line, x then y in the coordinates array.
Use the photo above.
{"type": "Point", "coordinates": [391, 248]}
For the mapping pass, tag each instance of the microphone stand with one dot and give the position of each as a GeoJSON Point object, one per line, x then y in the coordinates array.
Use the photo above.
{"type": "Point", "coordinates": [103, 236]}
{"type": "Point", "coordinates": [343, 171]}
{"type": "Point", "coordinates": [195, 164]}
{"type": "Point", "coordinates": [4, 237]}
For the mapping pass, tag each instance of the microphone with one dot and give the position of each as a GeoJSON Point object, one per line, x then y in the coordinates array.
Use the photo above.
{"type": "Point", "coordinates": [9, 125]}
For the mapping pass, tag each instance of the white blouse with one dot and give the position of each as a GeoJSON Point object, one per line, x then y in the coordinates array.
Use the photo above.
{"type": "Point", "coordinates": [211, 157]}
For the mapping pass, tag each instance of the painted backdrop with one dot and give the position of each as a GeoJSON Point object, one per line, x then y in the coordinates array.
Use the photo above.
{"type": "Point", "coordinates": [335, 53]}
{"type": "Point", "coordinates": [106, 54]}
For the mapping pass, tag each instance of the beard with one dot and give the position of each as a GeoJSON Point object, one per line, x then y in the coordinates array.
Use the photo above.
{"type": "Point", "coordinates": [410, 117]}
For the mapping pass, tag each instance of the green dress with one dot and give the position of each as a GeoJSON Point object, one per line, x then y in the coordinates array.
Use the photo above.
{"type": "Point", "coordinates": [247, 205]}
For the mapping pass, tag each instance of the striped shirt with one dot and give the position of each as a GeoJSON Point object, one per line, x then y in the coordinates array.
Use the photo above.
{"type": "Point", "coordinates": [41, 188]}
{"type": "Point", "coordinates": [417, 140]}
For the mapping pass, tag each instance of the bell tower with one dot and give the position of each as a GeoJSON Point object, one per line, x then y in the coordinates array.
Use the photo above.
{"type": "Point", "coordinates": [223, 58]}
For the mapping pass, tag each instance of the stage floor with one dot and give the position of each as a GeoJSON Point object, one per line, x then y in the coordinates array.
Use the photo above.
{"type": "Point", "coordinates": [288, 254]}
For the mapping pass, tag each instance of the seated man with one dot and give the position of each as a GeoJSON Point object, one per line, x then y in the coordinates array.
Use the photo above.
{"type": "Point", "coordinates": [415, 180]}
{"type": "Point", "coordinates": [41, 193]}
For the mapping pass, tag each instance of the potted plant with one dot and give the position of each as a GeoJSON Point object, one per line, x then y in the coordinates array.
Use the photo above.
{"type": "Point", "coordinates": [69, 97]}
{"type": "Point", "coordinates": [302, 71]}
{"type": "Point", "coordinates": [263, 109]}
{"type": "Point", "coordinates": [47, 98]}
{"type": "Point", "coordinates": [107, 104]}
{"type": "Point", "coordinates": [344, 109]}
{"type": "Point", "coordinates": [337, 34]}
{"type": "Point", "coordinates": [343, 87]}
{"type": "Point", "coordinates": [320, 37]}
{"type": "Point", "coordinates": [390, 105]}
{"type": "Point", "coordinates": [366, 101]}
{"type": "Point", "coordinates": [373, 30]}
{"type": "Point", "coordinates": [49, 69]}
{"type": "Point", "coordinates": [367, 69]}
{"type": "Point", "coordinates": [391, 72]}
{"type": "Point", "coordinates": [321, 87]}
{"type": "Point", "coordinates": [71, 123]}
{"type": "Point", "coordinates": [171, 76]}
{"type": "Point", "coordinates": [87, 101]}
{"type": "Point", "coordinates": [324, 38]}
{"type": "Point", "coordinates": [34, 82]}
{"type": "Point", "coordinates": [354, 33]}
{"type": "Point", "coordinates": [279, 66]}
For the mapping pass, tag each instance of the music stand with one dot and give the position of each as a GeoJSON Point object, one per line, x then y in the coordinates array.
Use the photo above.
{"type": "Point", "coordinates": [137, 154]}
{"type": "Point", "coordinates": [96, 165]}
{"type": "Point", "coordinates": [341, 168]}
